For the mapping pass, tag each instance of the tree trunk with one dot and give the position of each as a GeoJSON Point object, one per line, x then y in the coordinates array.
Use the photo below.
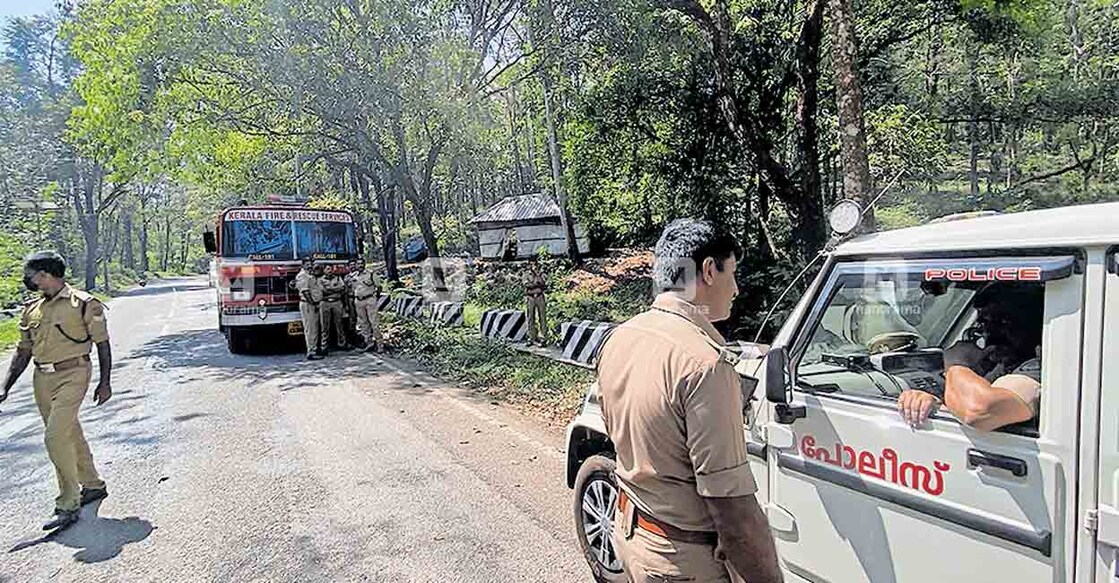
{"type": "Point", "coordinates": [165, 258]}
{"type": "Point", "coordinates": [973, 116]}
{"type": "Point", "coordinates": [852, 127]}
{"type": "Point", "coordinates": [144, 220]}
{"type": "Point", "coordinates": [184, 255]}
{"type": "Point", "coordinates": [421, 201]}
{"type": "Point", "coordinates": [810, 227]}
{"type": "Point", "coordinates": [557, 169]}
{"type": "Point", "coordinates": [126, 256]}
{"type": "Point", "coordinates": [386, 220]}
{"type": "Point", "coordinates": [554, 155]}
{"type": "Point", "coordinates": [82, 195]}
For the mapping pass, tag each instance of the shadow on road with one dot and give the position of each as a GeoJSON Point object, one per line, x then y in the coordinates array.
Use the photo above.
{"type": "Point", "coordinates": [95, 537]}
{"type": "Point", "coordinates": [204, 354]}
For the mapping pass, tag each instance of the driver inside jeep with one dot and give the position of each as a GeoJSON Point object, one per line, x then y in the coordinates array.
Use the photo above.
{"type": "Point", "coordinates": [992, 377]}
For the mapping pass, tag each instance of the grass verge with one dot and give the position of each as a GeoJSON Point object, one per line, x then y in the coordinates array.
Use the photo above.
{"type": "Point", "coordinates": [545, 387]}
{"type": "Point", "coordinates": [9, 333]}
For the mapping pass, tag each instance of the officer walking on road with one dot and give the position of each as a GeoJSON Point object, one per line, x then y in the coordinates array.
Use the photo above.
{"type": "Point", "coordinates": [673, 406]}
{"type": "Point", "coordinates": [57, 332]}
{"type": "Point", "coordinates": [536, 305]}
{"type": "Point", "coordinates": [366, 288]}
{"type": "Point", "coordinates": [310, 302]}
{"type": "Point", "coordinates": [333, 290]}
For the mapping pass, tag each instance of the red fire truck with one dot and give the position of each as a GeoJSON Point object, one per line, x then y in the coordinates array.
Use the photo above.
{"type": "Point", "coordinates": [257, 253]}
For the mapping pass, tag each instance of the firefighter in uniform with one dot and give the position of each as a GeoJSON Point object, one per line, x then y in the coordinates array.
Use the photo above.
{"type": "Point", "coordinates": [536, 305]}
{"type": "Point", "coordinates": [366, 288]}
{"type": "Point", "coordinates": [673, 406]}
{"type": "Point", "coordinates": [310, 303]}
{"type": "Point", "coordinates": [333, 294]}
{"type": "Point", "coordinates": [57, 331]}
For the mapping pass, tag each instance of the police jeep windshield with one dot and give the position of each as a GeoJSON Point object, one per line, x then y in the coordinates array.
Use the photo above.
{"type": "Point", "coordinates": [881, 326]}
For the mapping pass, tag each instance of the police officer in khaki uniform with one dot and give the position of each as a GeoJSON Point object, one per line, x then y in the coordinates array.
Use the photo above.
{"type": "Point", "coordinates": [366, 287]}
{"type": "Point", "coordinates": [310, 302]}
{"type": "Point", "coordinates": [333, 294]}
{"type": "Point", "coordinates": [57, 331]}
{"type": "Point", "coordinates": [536, 305]}
{"type": "Point", "coordinates": [673, 406]}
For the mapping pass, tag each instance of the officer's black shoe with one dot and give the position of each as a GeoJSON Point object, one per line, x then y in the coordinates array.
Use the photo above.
{"type": "Point", "coordinates": [91, 495]}
{"type": "Point", "coordinates": [314, 356]}
{"type": "Point", "coordinates": [62, 519]}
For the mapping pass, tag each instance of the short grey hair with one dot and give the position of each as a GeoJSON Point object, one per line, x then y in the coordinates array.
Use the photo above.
{"type": "Point", "coordinates": [685, 244]}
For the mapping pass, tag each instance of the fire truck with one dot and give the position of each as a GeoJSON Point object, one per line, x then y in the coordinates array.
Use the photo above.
{"type": "Point", "coordinates": [257, 252]}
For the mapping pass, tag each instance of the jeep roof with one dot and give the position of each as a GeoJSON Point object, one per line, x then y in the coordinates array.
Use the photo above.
{"type": "Point", "coordinates": [1094, 224]}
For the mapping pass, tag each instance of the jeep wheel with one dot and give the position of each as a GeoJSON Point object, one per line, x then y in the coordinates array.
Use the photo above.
{"type": "Point", "coordinates": [596, 498]}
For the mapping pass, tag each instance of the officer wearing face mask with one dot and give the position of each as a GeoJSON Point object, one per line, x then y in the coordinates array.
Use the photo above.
{"type": "Point", "coordinates": [57, 331]}
{"type": "Point", "coordinates": [997, 383]}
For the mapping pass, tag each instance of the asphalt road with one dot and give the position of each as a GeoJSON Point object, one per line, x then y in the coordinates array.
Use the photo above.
{"type": "Point", "coordinates": [271, 468]}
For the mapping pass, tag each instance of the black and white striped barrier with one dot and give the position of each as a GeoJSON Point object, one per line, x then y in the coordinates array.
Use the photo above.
{"type": "Point", "coordinates": [446, 313]}
{"type": "Point", "coordinates": [504, 325]}
{"type": "Point", "coordinates": [581, 340]}
{"type": "Point", "coordinates": [383, 303]}
{"type": "Point", "coordinates": [408, 306]}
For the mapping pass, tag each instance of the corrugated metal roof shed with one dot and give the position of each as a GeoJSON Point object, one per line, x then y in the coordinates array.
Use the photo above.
{"type": "Point", "coordinates": [513, 209]}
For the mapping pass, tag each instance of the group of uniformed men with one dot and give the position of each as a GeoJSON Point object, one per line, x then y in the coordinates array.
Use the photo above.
{"type": "Point", "coordinates": [325, 296]}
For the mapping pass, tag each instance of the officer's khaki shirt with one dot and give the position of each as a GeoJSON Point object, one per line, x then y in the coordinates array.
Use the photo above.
{"type": "Point", "coordinates": [365, 285]}
{"type": "Point", "coordinates": [307, 282]}
{"type": "Point", "coordinates": [333, 287]}
{"type": "Point", "coordinates": [673, 409]}
{"type": "Point", "coordinates": [49, 327]}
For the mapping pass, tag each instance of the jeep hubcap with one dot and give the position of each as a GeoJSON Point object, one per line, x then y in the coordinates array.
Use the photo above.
{"type": "Point", "coordinates": [600, 500]}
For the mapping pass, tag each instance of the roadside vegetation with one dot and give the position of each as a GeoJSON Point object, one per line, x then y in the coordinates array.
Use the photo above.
{"type": "Point", "coordinates": [459, 355]}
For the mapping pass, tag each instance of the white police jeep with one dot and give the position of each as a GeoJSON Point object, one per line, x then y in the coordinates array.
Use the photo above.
{"type": "Point", "coordinates": [852, 491]}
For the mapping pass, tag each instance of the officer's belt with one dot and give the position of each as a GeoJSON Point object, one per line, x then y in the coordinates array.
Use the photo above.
{"type": "Point", "coordinates": [363, 298]}
{"type": "Point", "coordinates": [663, 529]}
{"type": "Point", "coordinates": [67, 364]}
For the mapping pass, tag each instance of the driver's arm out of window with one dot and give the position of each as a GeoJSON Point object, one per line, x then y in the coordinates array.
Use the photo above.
{"type": "Point", "coordinates": [988, 406]}
{"type": "Point", "coordinates": [974, 401]}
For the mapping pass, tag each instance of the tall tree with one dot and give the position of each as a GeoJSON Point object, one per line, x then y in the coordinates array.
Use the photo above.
{"type": "Point", "coordinates": [849, 96]}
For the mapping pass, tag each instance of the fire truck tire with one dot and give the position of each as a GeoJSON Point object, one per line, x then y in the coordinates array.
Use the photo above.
{"type": "Point", "coordinates": [237, 340]}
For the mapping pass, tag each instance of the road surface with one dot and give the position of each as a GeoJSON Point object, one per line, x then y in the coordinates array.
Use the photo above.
{"type": "Point", "coordinates": [272, 468]}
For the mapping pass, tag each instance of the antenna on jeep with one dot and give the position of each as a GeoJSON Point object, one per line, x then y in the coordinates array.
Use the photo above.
{"type": "Point", "coordinates": [843, 219]}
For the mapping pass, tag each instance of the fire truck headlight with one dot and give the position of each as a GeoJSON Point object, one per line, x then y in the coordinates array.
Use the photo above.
{"type": "Point", "coordinates": [242, 295]}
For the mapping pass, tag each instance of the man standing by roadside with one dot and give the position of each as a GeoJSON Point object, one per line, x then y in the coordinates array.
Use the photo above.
{"type": "Point", "coordinates": [333, 290]}
{"type": "Point", "coordinates": [367, 291]}
{"type": "Point", "coordinates": [673, 407]}
{"type": "Point", "coordinates": [536, 304]}
{"type": "Point", "coordinates": [57, 331]}
{"type": "Point", "coordinates": [310, 302]}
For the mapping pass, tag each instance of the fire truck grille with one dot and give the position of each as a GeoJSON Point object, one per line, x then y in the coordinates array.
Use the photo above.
{"type": "Point", "coordinates": [277, 287]}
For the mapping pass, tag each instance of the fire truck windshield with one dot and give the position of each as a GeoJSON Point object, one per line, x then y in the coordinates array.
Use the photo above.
{"type": "Point", "coordinates": [288, 240]}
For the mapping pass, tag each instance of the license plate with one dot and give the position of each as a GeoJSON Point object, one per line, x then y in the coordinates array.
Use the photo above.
{"type": "Point", "coordinates": [295, 328]}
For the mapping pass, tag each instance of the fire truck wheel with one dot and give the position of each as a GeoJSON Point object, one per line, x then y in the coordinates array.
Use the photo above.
{"type": "Point", "coordinates": [237, 340]}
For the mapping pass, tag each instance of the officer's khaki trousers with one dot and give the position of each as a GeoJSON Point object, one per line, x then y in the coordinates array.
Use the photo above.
{"type": "Point", "coordinates": [331, 318]}
{"type": "Point", "coordinates": [368, 320]}
{"type": "Point", "coordinates": [536, 312]}
{"type": "Point", "coordinates": [650, 558]}
{"type": "Point", "coordinates": [59, 396]}
{"type": "Point", "coordinates": [312, 334]}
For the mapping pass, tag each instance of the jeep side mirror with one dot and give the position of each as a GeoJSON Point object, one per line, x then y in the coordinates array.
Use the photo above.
{"type": "Point", "coordinates": [210, 242]}
{"type": "Point", "coordinates": [777, 386]}
{"type": "Point", "coordinates": [776, 375]}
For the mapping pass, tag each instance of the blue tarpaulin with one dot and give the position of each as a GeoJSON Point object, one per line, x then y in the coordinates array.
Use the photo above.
{"type": "Point", "coordinates": [415, 249]}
